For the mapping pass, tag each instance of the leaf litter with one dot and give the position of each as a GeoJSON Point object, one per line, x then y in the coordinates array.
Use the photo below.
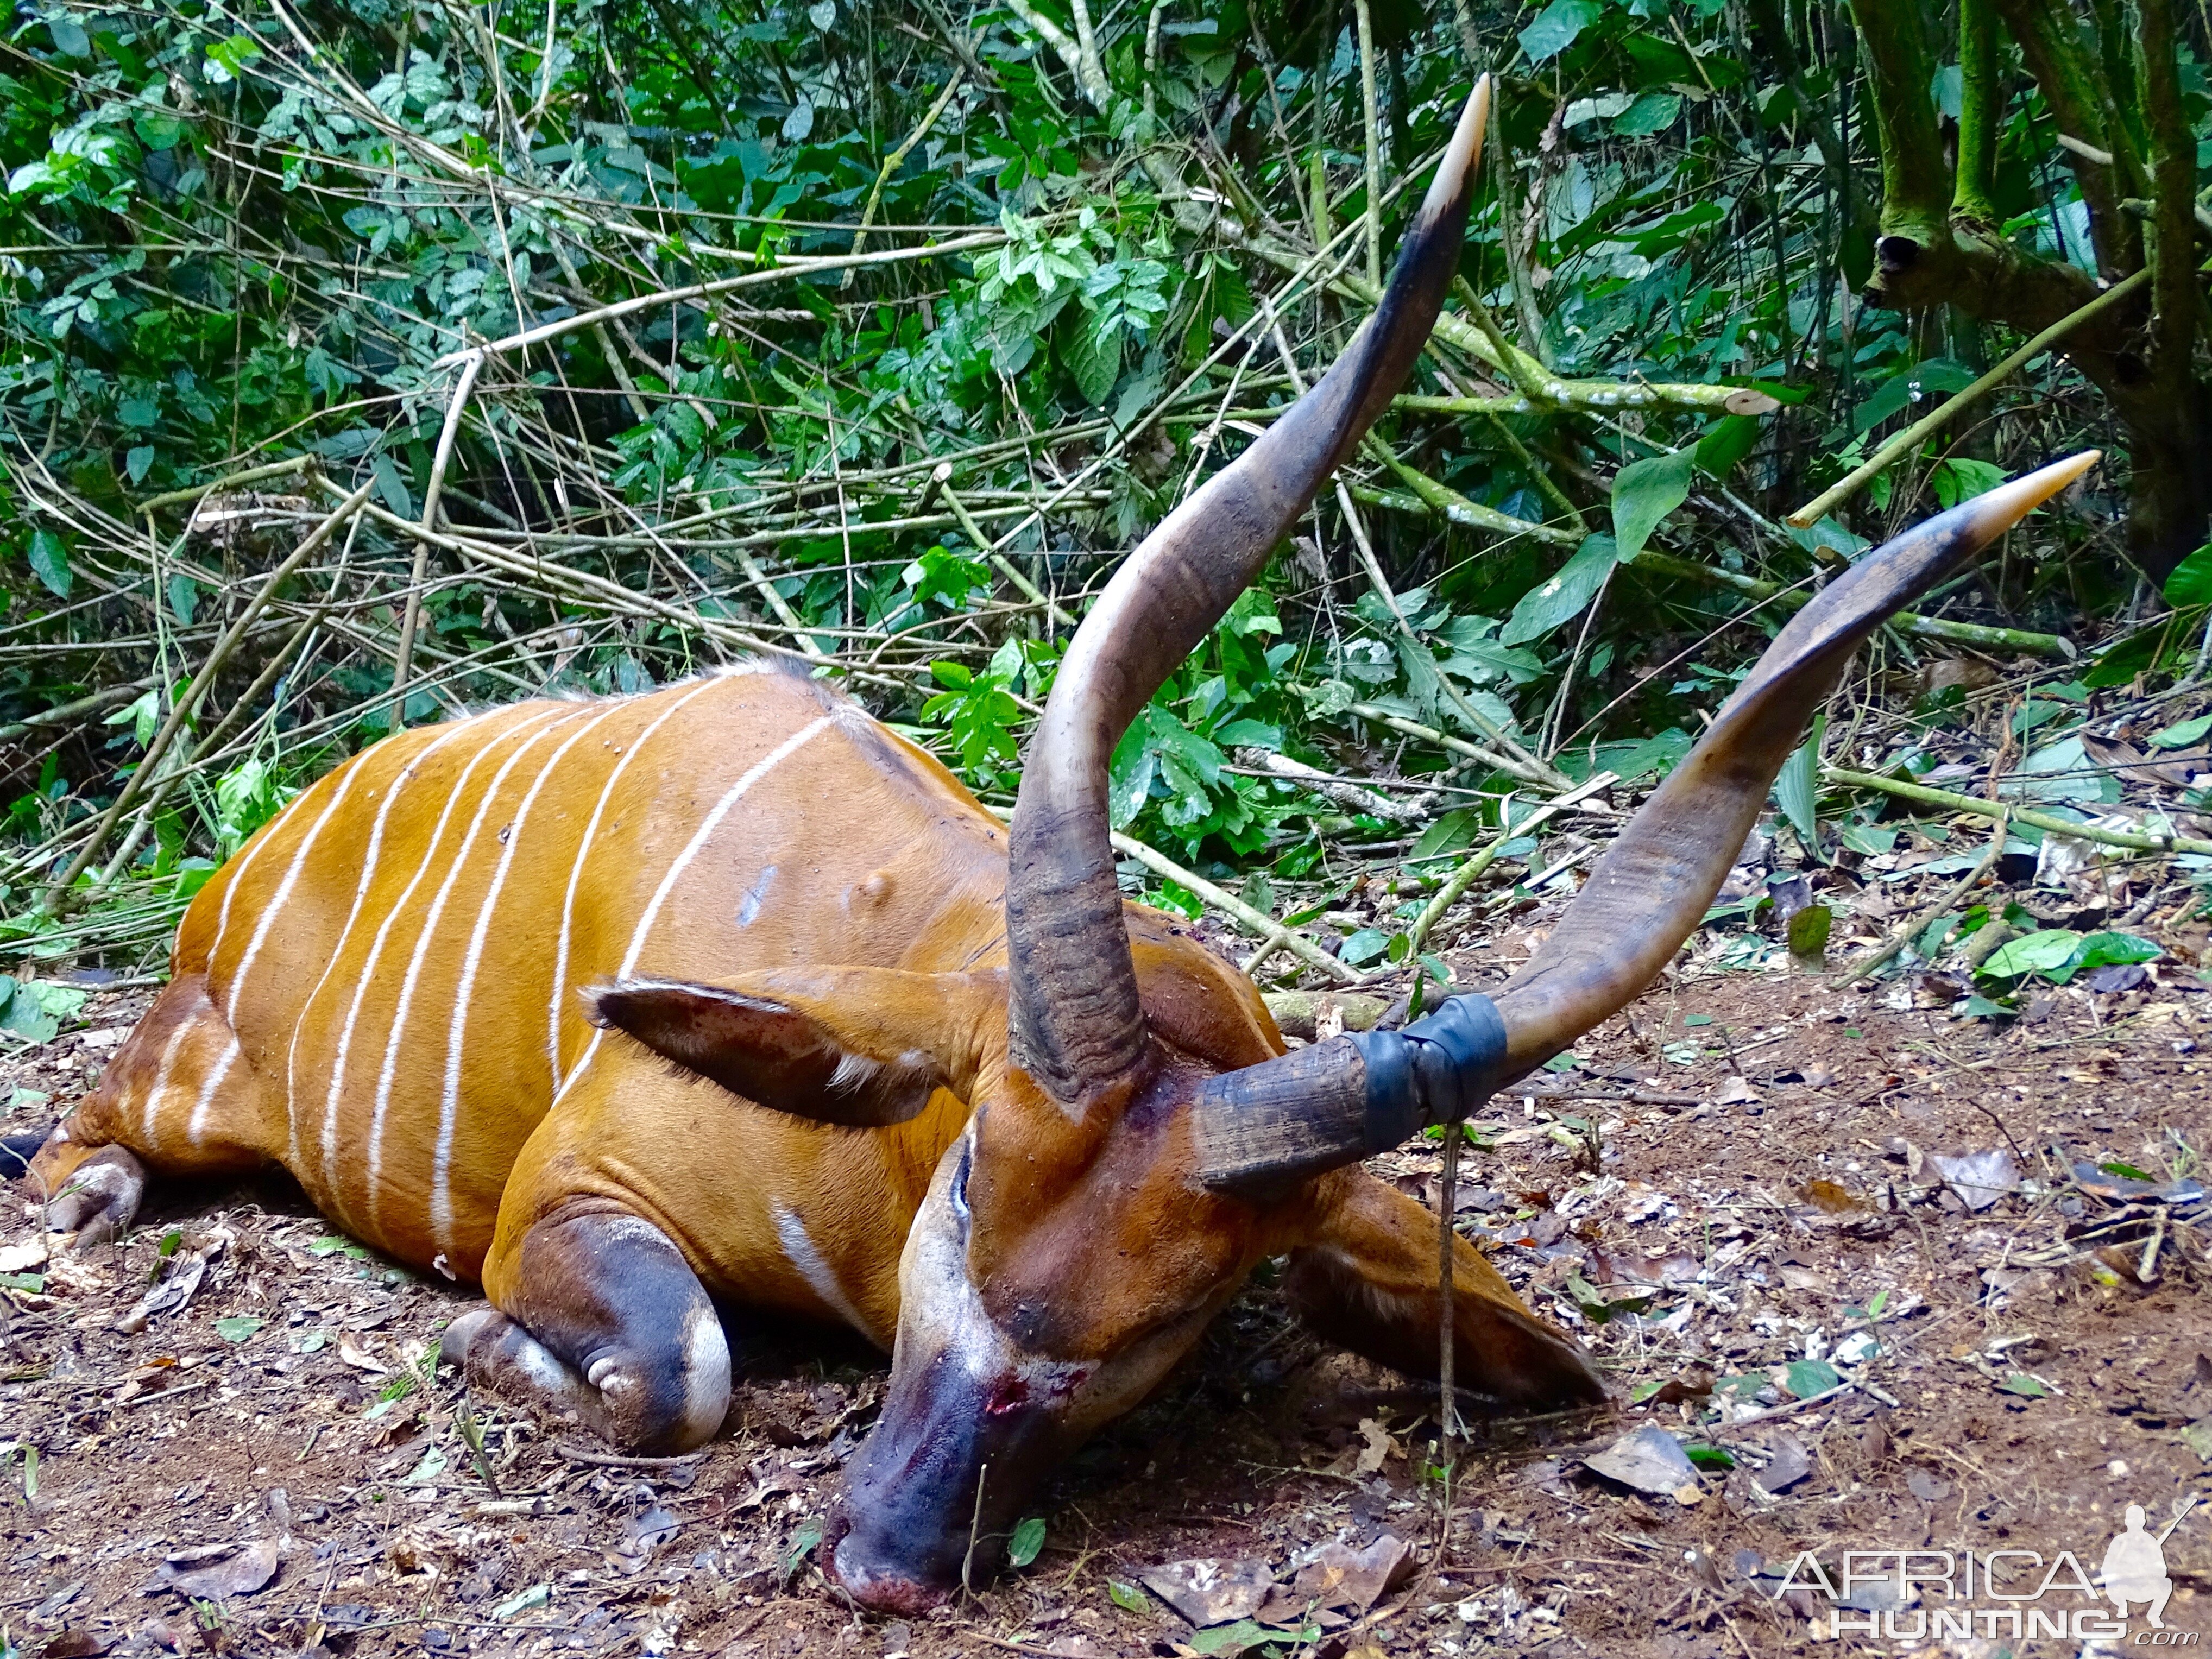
{"type": "Point", "coordinates": [1776, 1285]}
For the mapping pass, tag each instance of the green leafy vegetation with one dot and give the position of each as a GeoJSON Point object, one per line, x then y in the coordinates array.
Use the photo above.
{"type": "Point", "coordinates": [871, 335]}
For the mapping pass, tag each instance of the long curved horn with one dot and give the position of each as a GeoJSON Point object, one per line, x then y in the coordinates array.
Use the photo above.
{"type": "Point", "coordinates": [1337, 1102]}
{"type": "Point", "coordinates": [1074, 1021]}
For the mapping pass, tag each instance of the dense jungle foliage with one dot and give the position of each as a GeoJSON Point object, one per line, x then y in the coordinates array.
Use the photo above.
{"type": "Point", "coordinates": [371, 360]}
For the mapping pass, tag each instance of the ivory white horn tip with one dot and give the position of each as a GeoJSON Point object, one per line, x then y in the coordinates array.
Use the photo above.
{"type": "Point", "coordinates": [1991, 514]}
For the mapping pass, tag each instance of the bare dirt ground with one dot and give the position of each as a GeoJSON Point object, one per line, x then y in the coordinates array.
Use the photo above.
{"type": "Point", "coordinates": [2000, 1358]}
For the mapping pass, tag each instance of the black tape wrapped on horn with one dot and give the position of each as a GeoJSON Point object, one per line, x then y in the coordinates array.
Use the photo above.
{"type": "Point", "coordinates": [1320, 1108]}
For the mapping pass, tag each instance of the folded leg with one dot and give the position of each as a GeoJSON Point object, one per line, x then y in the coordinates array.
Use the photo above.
{"type": "Point", "coordinates": [1368, 1279]}
{"type": "Point", "coordinates": [607, 1325]}
{"type": "Point", "coordinates": [178, 1098]}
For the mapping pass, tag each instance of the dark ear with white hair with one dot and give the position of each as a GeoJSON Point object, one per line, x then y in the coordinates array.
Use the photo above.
{"type": "Point", "coordinates": [862, 1048]}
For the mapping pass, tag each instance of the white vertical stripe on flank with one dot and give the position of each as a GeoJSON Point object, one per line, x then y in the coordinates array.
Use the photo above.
{"type": "Point", "coordinates": [151, 1107]}
{"type": "Point", "coordinates": [424, 934]}
{"type": "Point", "coordinates": [814, 1268]}
{"type": "Point", "coordinates": [442, 1201]}
{"type": "Point", "coordinates": [284, 895]}
{"type": "Point", "coordinates": [759, 770]}
{"type": "Point", "coordinates": [575, 873]}
{"type": "Point", "coordinates": [255, 848]}
{"type": "Point", "coordinates": [216, 1073]}
{"type": "Point", "coordinates": [366, 975]}
{"type": "Point", "coordinates": [400, 775]}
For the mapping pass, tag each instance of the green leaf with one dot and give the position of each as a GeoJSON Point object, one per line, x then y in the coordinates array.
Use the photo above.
{"type": "Point", "coordinates": [1448, 833]}
{"type": "Point", "coordinates": [1809, 930]}
{"type": "Point", "coordinates": [2107, 950]}
{"type": "Point", "coordinates": [1093, 355]}
{"type": "Point", "coordinates": [2033, 953]}
{"type": "Point", "coordinates": [1709, 1457]}
{"type": "Point", "coordinates": [226, 59]}
{"type": "Point", "coordinates": [1797, 792]}
{"type": "Point", "coordinates": [1028, 1539]}
{"type": "Point", "coordinates": [1730, 439]}
{"type": "Point", "coordinates": [1248, 734]}
{"type": "Point", "coordinates": [1869, 839]}
{"type": "Point", "coordinates": [1646, 491]}
{"type": "Point", "coordinates": [1961, 478]}
{"type": "Point", "coordinates": [37, 1008]}
{"type": "Point", "coordinates": [158, 129]}
{"type": "Point", "coordinates": [2029, 1388]}
{"type": "Point", "coordinates": [1652, 112]}
{"type": "Point", "coordinates": [2191, 581]}
{"type": "Point", "coordinates": [1804, 1378]}
{"type": "Point", "coordinates": [1229, 1640]}
{"type": "Point", "coordinates": [536, 1597]}
{"type": "Point", "coordinates": [183, 597]}
{"type": "Point", "coordinates": [1565, 596]}
{"type": "Point", "coordinates": [1128, 1597]}
{"type": "Point", "coordinates": [238, 1327]}
{"type": "Point", "coordinates": [49, 562]}
{"type": "Point", "coordinates": [2183, 733]}
{"type": "Point", "coordinates": [1826, 532]}
{"type": "Point", "coordinates": [803, 1543]}
{"type": "Point", "coordinates": [1364, 946]}
{"type": "Point", "coordinates": [1555, 28]}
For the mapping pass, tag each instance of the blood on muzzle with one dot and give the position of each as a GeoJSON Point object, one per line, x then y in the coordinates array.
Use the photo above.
{"type": "Point", "coordinates": [936, 1488]}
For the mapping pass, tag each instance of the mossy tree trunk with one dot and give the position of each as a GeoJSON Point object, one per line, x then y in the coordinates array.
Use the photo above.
{"type": "Point", "coordinates": [2134, 160]}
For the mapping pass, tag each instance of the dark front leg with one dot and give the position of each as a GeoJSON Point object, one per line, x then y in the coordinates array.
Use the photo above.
{"type": "Point", "coordinates": [1368, 1279]}
{"type": "Point", "coordinates": [609, 1326]}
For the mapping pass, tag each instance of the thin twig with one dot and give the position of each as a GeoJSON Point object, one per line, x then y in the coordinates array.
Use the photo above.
{"type": "Point", "coordinates": [1890, 946]}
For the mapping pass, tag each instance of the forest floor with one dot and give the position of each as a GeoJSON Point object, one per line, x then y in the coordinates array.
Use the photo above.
{"type": "Point", "coordinates": [1913, 1352]}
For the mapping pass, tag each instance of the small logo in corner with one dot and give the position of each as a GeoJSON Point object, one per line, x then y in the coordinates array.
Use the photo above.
{"type": "Point", "coordinates": [2134, 1569]}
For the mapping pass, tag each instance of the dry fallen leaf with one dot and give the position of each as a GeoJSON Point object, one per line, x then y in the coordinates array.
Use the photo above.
{"type": "Point", "coordinates": [1693, 1382]}
{"type": "Point", "coordinates": [1830, 1196]}
{"type": "Point", "coordinates": [1736, 1091]}
{"type": "Point", "coordinates": [1979, 1179]}
{"type": "Point", "coordinates": [22, 1258]}
{"type": "Point", "coordinates": [176, 1289]}
{"type": "Point", "coordinates": [1788, 1462]}
{"type": "Point", "coordinates": [1379, 1449]}
{"type": "Point", "coordinates": [1677, 1266]}
{"type": "Point", "coordinates": [216, 1573]}
{"type": "Point", "coordinates": [1648, 1460]}
{"type": "Point", "coordinates": [1207, 1591]}
{"type": "Point", "coordinates": [360, 1357]}
{"type": "Point", "coordinates": [1339, 1581]}
{"type": "Point", "coordinates": [1926, 1487]}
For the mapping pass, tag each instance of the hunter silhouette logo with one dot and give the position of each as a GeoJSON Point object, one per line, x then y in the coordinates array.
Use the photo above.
{"type": "Point", "coordinates": [1990, 1594]}
{"type": "Point", "coordinates": [2134, 1569]}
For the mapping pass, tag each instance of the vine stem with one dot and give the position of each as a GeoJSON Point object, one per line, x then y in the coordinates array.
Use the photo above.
{"type": "Point", "coordinates": [1914, 435]}
{"type": "Point", "coordinates": [1374, 143]}
{"type": "Point", "coordinates": [2043, 821]}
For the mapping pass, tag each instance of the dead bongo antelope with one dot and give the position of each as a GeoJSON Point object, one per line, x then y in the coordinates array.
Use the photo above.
{"type": "Point", "coordinates": [446, 986]}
